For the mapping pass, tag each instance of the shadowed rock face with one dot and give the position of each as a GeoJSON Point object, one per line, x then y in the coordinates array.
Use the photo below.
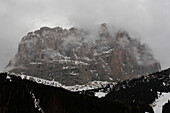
{"type": "Point", "coordinates": [78, 56]}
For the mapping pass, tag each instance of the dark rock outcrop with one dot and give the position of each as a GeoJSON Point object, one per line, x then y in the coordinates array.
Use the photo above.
{"type": "Point", "coordinates": [78, 56]}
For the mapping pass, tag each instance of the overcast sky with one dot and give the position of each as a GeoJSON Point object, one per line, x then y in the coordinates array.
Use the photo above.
{"type": "Point", "coordinates": [150, 19]}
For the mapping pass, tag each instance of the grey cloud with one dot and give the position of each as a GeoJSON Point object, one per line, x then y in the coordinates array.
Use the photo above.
{"type": "Point", "coordinates": [149, 19]}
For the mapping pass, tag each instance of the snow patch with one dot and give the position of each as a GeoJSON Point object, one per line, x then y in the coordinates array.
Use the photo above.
{"type": "Point", "coordinates": [65, 67]}
{"type": "Point", "coordinates": [72, 73]}
{"type": "Point", "coordinates": [87, 59]}
{"type": "Point", "coordinates": [162, 99]}
{"type": "Point", "coordinates": [35, 62]}
{"type": "Point", "coordinates": [110, 78]}
{"type": "Point", "coordinates": [92, 85]}
{"type": "Point", "coordinates": [108, 51]}
{"type": "Point", "coordinates": [9, 78]}
{"type": "Point", "coordinates": [100, 94]}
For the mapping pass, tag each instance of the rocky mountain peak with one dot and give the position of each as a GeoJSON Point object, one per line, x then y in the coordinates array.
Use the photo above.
{"type": "Point", "coordinates": [78, 56]}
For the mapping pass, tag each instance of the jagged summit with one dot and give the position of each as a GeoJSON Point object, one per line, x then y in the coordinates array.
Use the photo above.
{"type": "Point", "coordinates": [77, 56]}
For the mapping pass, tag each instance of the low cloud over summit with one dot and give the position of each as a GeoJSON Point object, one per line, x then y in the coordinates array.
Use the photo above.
{"type": "Point", "coordinates": [147, 19]}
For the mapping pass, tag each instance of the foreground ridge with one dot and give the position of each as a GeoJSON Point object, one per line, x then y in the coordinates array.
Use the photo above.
{"type": "Point", "coordinates": [25, 96]}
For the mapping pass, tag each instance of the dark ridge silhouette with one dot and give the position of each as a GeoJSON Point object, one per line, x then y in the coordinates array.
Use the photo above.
{"type": "Point", "coordinates": [142, 90]}
{"type": "Point", "coordinates": [16, 96]}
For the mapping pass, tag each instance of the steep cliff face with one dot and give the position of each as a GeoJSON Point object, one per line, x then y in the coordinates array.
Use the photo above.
{"type": "Point", "coordinates": [78, 56]}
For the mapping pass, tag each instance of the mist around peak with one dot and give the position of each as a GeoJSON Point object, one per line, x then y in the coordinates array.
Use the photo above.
{"type": "Point", "coordinates": [82, 55]}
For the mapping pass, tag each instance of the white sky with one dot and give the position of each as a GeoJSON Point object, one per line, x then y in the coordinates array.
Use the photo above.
{"type": "Point", "coordinates": [150, 19]}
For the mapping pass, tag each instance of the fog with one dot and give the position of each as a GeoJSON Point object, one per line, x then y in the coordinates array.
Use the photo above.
{"type": "Point", "coordinates": [147, 19]}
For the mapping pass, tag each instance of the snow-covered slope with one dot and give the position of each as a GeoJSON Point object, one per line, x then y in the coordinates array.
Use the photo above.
{"type": "Point", "coordinates": [162, 99]}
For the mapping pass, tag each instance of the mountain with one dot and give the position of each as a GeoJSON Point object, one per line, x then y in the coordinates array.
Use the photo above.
{"type": "Point", "coordinates": [78, 56]}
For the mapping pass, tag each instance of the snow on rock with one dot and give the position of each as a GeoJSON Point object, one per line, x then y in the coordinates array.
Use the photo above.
{"type": "Point", "coordinates": [35, 62]}
{"type": "Point", "coordinates": [162, 99]}
{"type": "Point", "coordinates": [92, 85]}
{"type": "Point", "coordinates": [74, 88]}
{"type": "Point", "coordinates": [110, 78]}
{"type": "Point", "coordinates": [36, 102]}
{"type": "Point", "coordinates": [39, 80]}
{"type": "Point", "coordinates": [9, 78]}
{"type": "Point", "coordinates": [22, 76]}
{"type": "Point", "coordinates": [100, 94]}
{"type": "Point", "coordinates": [108, 51]}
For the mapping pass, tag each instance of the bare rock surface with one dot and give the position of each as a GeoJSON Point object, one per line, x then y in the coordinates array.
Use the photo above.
{"type": "Point", "coordinates": [78, 56]}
